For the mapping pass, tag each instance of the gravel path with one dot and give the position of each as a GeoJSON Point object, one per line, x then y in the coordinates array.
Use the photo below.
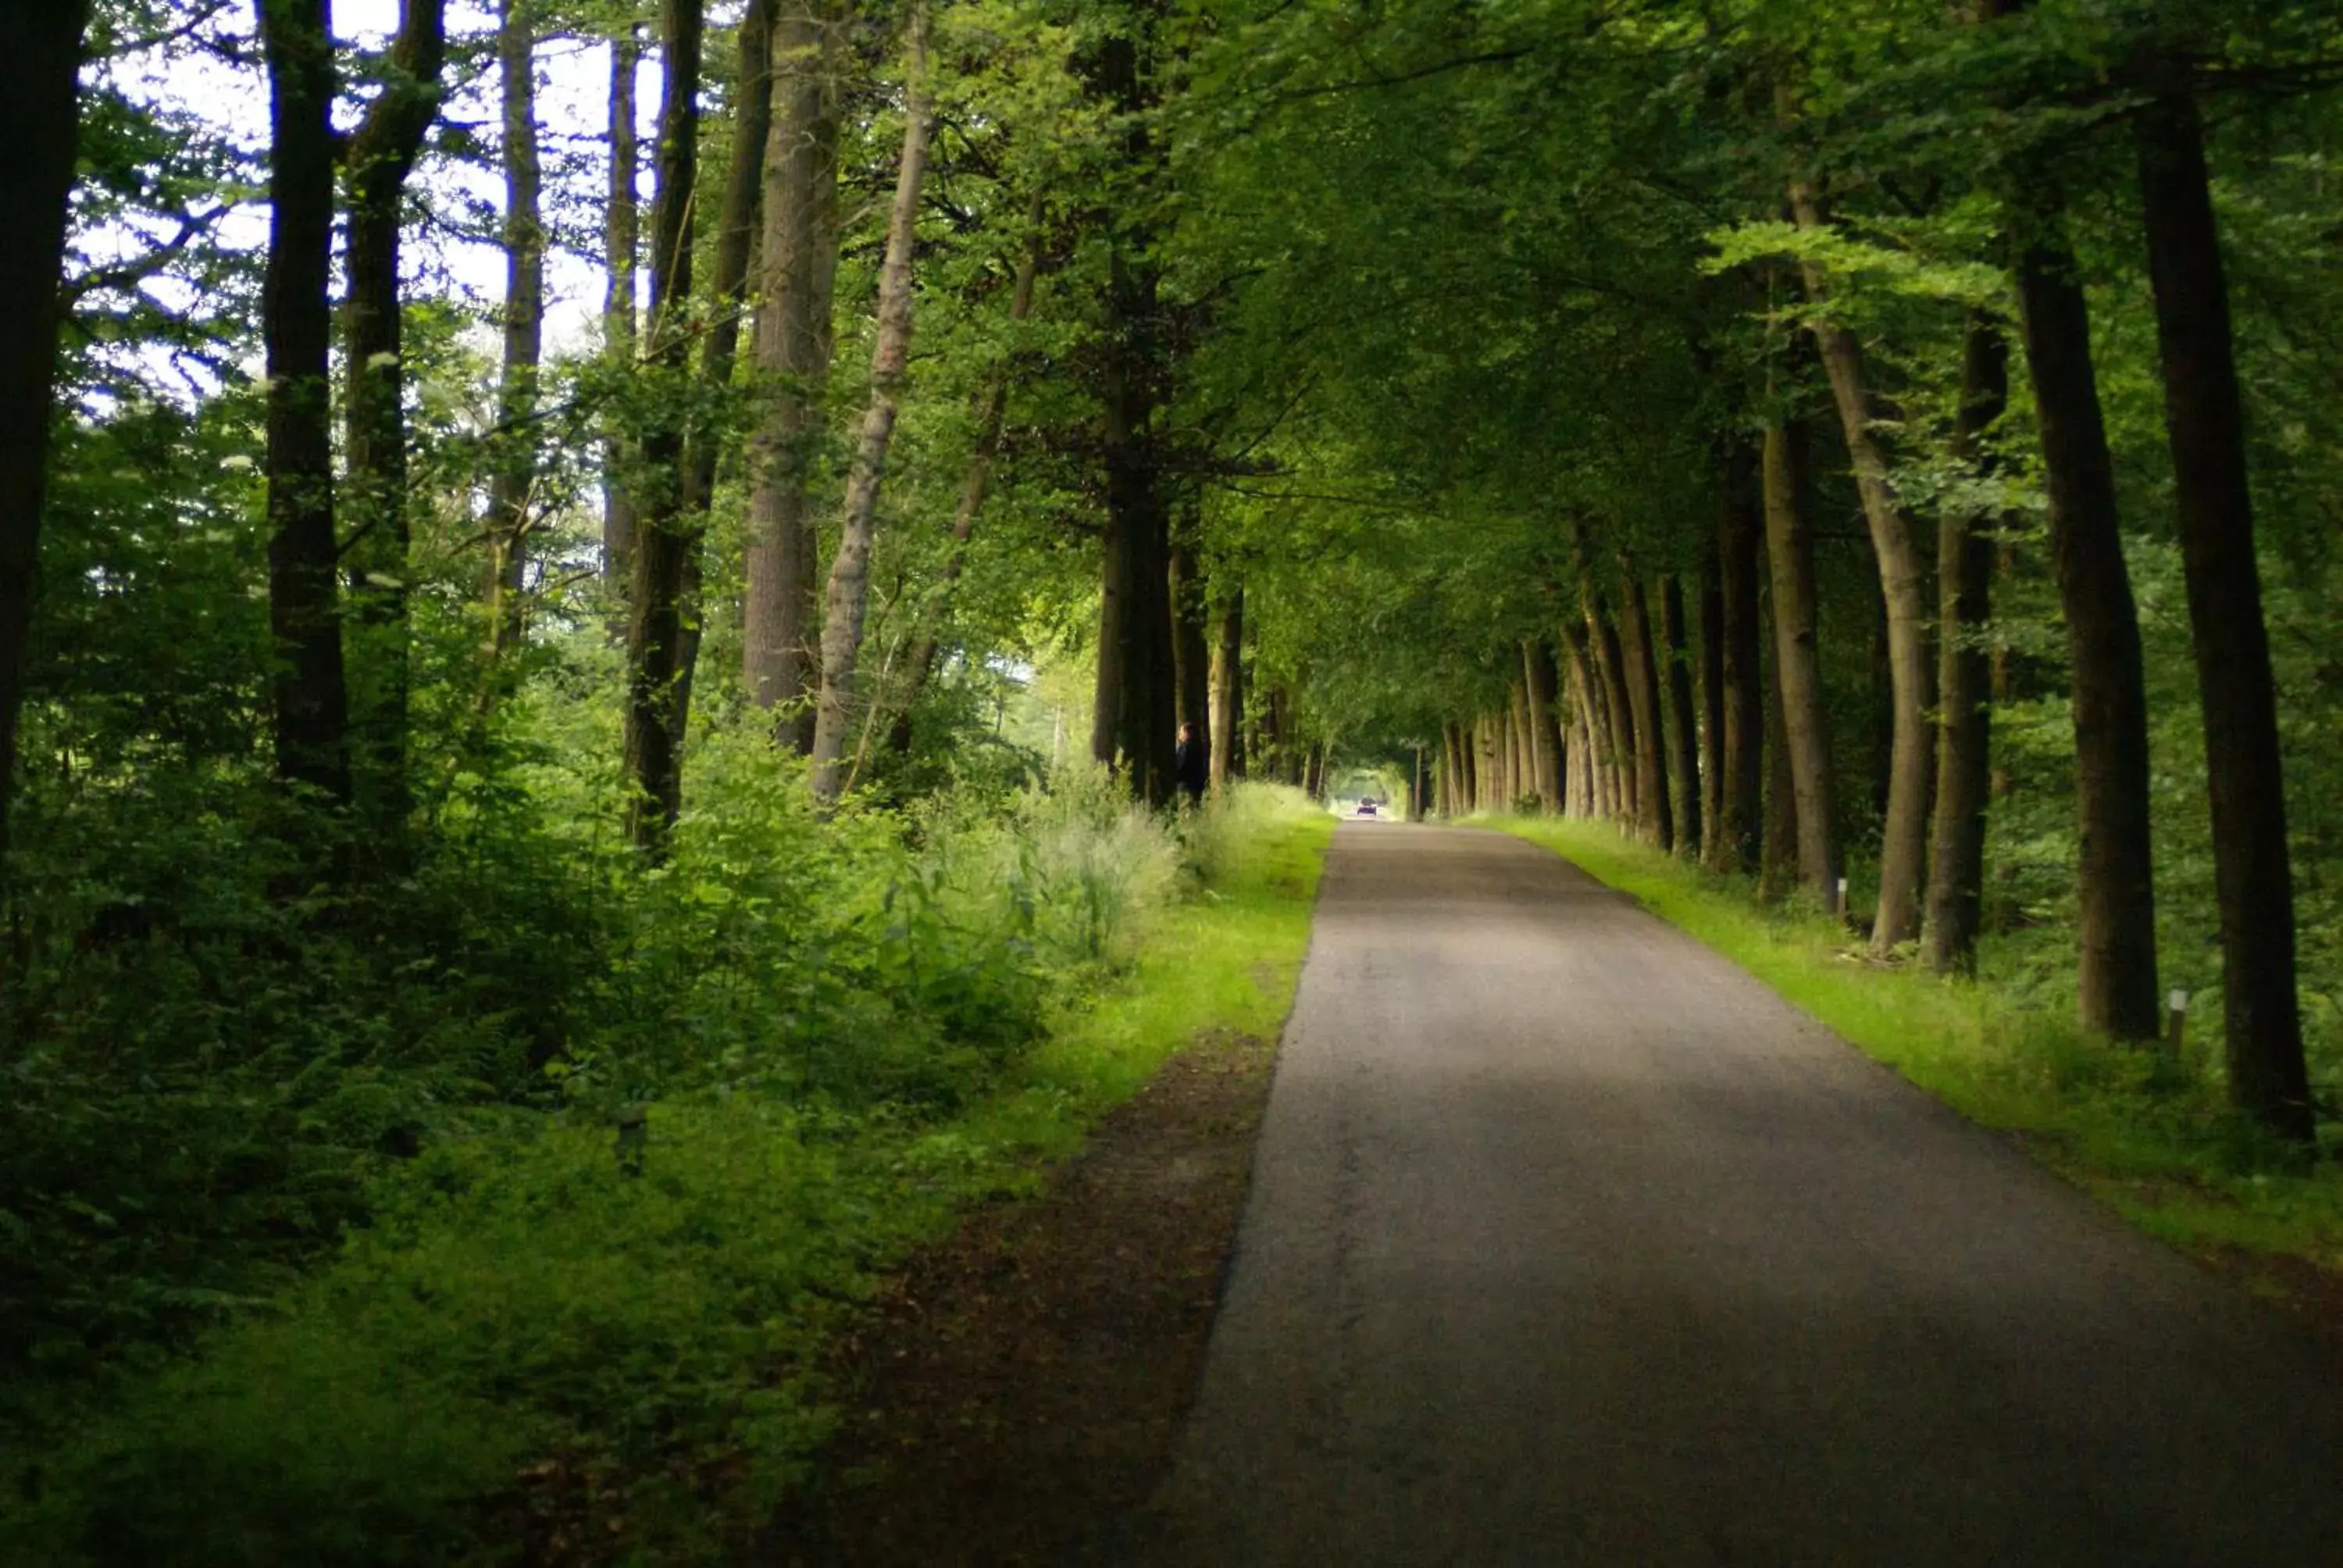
{"type": "Point", "coordinates": [1568, 1242]}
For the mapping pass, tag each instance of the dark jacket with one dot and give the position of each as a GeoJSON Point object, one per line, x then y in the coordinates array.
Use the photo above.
{"type": "Point", "coordinates": [1191, 765]}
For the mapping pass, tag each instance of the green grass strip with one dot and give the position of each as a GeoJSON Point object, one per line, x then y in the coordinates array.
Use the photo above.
{"type": "Point", "coordinates": [2123, 1122]}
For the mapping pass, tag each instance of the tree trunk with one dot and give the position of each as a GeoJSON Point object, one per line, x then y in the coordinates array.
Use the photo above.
{"type": "Point", "coordinates": [1227, 686]}
{"type": "Point", "coordinates": [992, 410]}
{"type": "Point", "coordinates": [1741, 788]}
{"type": "Point", "coordinates": [849, 572]}
{"type": "Point", "coordinates": [1798, 667]}
{"type": "Point", "coordinates": [1455, 796]}
{"type": "Point", "coordinates": [728, 293]}
{"type": "Point", "coordinates": [1190, 657]}
{"type": "Point", "coordinates": [380, 157]}
{"type": "Point", "coordinates": [515, 476]}
{"type": "Point", "coordinates": [2114, 882]}
{"type": "Point", "coordinates": [1964, 747]}
{"type": "Point", "coordinates": [1601, 773]}
{"type": "Point", "coordinates": [1778, 854]}
{"type": "Point", "coordinates": [1655, 822]}
{"type": "Point", "coordinates": [793, 351]}
{"type": "Point", "coordinates": [1683, 738]}
{"type": "Point", "coordinates": [2204, 413]}
{"type": "Point", "coordinates": [1712, 708]}
{"type": "Point", "coordinates": [310, 697]}
{"type": "Point", "coordinates": [654, 731]}
{"type": "Point", "coordinates": [1545, 736]}
{"type": "Point", "coordinates": [39, 117]}
{"type": "Point", "coordinates": [622, 240]}
{"type": "Point", "coordinates": [1905, 833]}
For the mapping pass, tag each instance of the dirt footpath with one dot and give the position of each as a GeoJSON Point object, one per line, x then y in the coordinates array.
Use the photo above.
{"type": "Point", "coordinates": [1024, 1381]}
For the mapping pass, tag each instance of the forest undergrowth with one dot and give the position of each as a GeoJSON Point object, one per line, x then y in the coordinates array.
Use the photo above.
{"type": "Point", "coordinates": [549, 1273]}
{"type": "Point", "coordinates": [2145, 1128]}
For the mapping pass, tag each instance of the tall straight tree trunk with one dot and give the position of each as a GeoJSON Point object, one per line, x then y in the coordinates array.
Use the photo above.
{"type": "Point", "coordinates": [1964, 745]}
{"type": "Point", "coordinates": [1904, 835]}
{"type": "Point", "coordinates": [793, 351]}
{"type": "Point", "coordinates": [654, 731]}
{"type": "Point", "coordinates": [1683, 738]}
{"type": "Point", "coordinates": [1489, 762]}
{"type": "Point", "coordinates": [310, 695]}
{"type": "Point", "coordinates": [1227, 686]}
{"type": "Point", "coordinates": [1191, 655]}
{"type": "Point", "coordinates": [514, 477]}
{"type": "Point", "coordinates": [2114, 883]}
{"type": "Point", "coordinates": [39, 120]}
{"type": "Point", "coordinates": [1777, 870]}
{"type": "Point", "coordinates": [1655, 822]}
{"type": "Point", "coordinates": [1545, 736]}
{"type": "Point", "coordinates": [622, 240]}
{"type": "Point", "coordinates": [1741, 787]}
{"type": "Point", "coordinates": [728, 293]}
{"type": "Point", "coordinates": [1797, 665]}
{"type": "Point", "coordinates": [1455, 792]}
{"type": "Point", "coordinates": [992, 411]}
{"type": "Point", "coordinates": [1602, 742]}
{"type": "Point", "coordinates": [1519, 770]}
{"type": "Point", "coordinates": [1712, 708]}
{"type": "Point", "coordinates": [2205, 415]}
{"type": "Point", "coordinates": [736, 234]}
{"type": "Point", "coordinates": [849, 573]}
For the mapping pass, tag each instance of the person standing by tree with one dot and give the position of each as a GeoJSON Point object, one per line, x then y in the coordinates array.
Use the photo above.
{"type": "Point", "coordinates": [1191, 763]}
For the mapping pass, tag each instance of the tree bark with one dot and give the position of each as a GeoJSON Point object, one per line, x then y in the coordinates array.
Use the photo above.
{"type": "Point", "coordinates": [1797, 666]}
{"type": "Point", "coordinates": [310, 697]}
{"type": "Point", "coordinates": [793, 351]}
{"type": "Point", "coordinates": [622, 241]}
{"type": "Point", "coordinates": [1190, 657]}
{"type": "Point", "coordinates": [1456, 792]}
{"type": "Point", "coordinates": [1227, 686]}
{"type": "Point", "coordinates": [848, 594]}
{"type": "Point", "coordinates": [1778, 854]}
{"type": "Point", "coordinates": [728, 293]}
{"type": "Point", "coordinates": [1135, 718]}
{"type": "Point", "coordinates": [515, 476]}
{"type": "Point", "coordinates": [1904, 834]}
{"type": "Point", "coordinates": [1655, 822]}
{"type": "Point", "coordinates": [1963, 746]}
{"type": "Point", "coordinates": [1682, 736]}
{"type": "Point", "coordinates": [2205, 415]}
{"type": "Point", "coordinates": [1741, 787]}
{"type": "Point", "coordinates": [1712, 708]}
{"type": "Point", "coordinates": [40, 120]}
{"type": "Point", "coordinates": [1545, 736]}
{"type": "Point", "coordinates": [2114, 882]}
{"type": "Point", "coordinates": [662, 546]}
{"type": "Point", "coordinates": [1604, 793]}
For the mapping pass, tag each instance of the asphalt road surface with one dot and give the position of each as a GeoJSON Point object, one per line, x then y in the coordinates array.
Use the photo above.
{"type": "Point", "coordinates": [1568, 1242]}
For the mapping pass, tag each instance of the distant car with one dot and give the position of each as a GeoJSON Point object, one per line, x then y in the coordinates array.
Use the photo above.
{"type": "Point", "coordinates": [1366, 807]}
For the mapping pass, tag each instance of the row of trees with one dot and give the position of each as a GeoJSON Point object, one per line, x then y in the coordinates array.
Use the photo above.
{"type": "Point", "coordinates": [1785, 431]}
{"type": "Point", "coordinates": [1825, 287]}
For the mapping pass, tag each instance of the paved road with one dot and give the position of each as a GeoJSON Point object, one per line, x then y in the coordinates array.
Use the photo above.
{"type": "Point", "coordinates": [1570, 1243]}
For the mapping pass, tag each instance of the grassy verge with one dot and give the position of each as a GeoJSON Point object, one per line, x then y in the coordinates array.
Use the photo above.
{"type": "Point", "coordinates": [2124, 1123]}
{"type": "Point", "coordinates": [541, 1346]}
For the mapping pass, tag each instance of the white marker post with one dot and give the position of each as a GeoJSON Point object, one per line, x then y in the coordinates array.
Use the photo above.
{"type": "Point", "coordinates": [2176, 1020]}
{"type": "Point", "coordinates": [1841, 911]}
